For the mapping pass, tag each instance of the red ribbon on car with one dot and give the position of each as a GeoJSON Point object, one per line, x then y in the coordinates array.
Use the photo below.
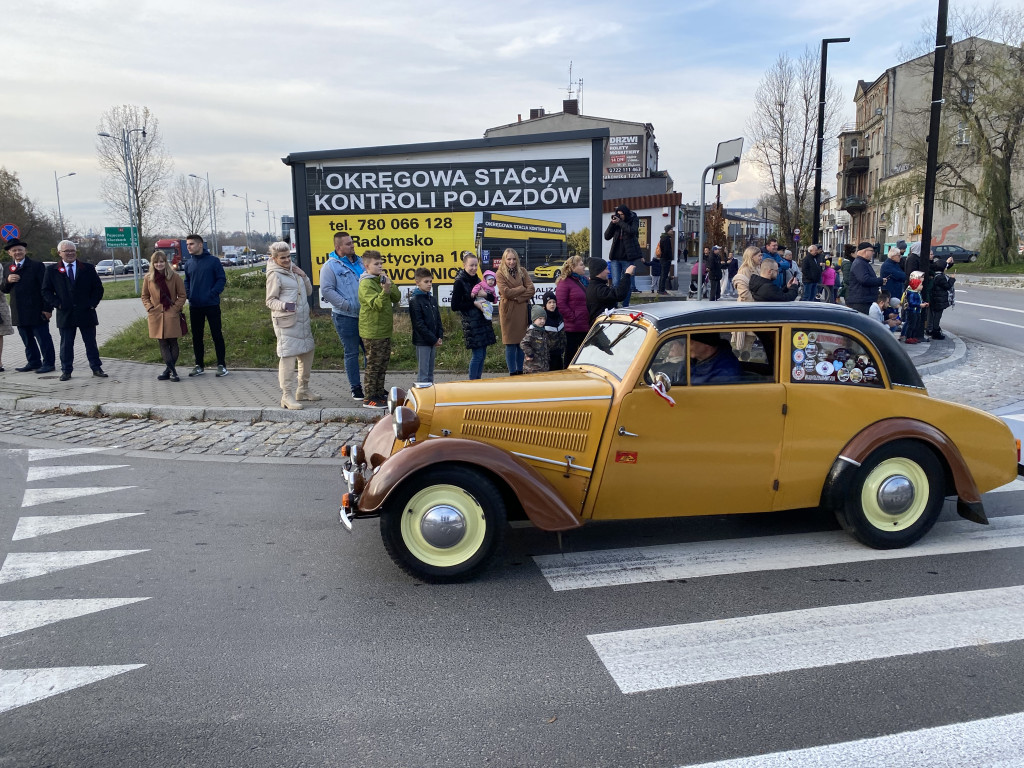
{"type": "Point", "coordinates": [659, 389]}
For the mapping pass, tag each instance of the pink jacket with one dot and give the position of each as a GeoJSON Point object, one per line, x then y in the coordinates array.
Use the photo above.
{"type": "Point", "coordinates": [571, 298]}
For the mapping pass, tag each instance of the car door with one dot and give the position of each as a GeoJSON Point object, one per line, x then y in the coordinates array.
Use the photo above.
{"type": "Point", "coordinates": [716, 451]}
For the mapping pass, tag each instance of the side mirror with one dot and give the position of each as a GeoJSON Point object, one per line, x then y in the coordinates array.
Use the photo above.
{"type": "Point", "coordinates": [663, 381]}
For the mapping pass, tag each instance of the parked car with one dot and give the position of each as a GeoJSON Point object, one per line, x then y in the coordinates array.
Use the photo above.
{"type": "Point", "coordinates": [110, 267]}
{"type": "Point", "coordinates": [548, 271]}
{"type": "Point", "coordinates": [130, 266]}
{"type": "Point", "coordinates": [821, 407]}
{"type": "Point", "coordinates": [943, 252]}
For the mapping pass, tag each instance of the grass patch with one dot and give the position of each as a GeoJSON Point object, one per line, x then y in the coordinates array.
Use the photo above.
{"type": "Point", "coordinates": [121, 288]}
{"type": "Point", "coordinates": [250, 341]}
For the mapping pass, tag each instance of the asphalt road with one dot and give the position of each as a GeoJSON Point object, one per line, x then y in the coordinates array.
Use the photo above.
{"type": "Point", "coordinates": [267, 635]}
{"type": "Point", "coordinates": [991, 315]}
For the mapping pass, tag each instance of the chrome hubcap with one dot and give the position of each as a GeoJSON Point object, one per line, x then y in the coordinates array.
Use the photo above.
{"type": "Point", "coordinates": [896, 495]}
{"type": "Point", "coordinates": [443, 526]}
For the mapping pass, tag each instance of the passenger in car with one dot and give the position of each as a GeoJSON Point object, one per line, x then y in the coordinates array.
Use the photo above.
{"type": "Point", "coordinates": [712, 360]}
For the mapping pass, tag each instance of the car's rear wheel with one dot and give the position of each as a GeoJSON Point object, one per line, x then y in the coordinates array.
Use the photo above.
{"type": "Point", "coordinates": [973, 258]}
{"type": "Point", "coordinates": [557, 274]}
{"type": "Point", "coordinates": [895, 497]}
{"type": "Point", "coordinates": [444, 524]}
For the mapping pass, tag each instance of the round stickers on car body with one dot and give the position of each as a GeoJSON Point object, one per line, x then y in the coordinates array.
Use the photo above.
{"type": "Point", "coordinates": [831, 357]}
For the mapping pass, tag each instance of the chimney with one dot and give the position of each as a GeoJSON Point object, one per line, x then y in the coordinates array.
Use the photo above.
{"type": "Point", "coordinates": [570, 106]}
{"type": "Point", "coordinates": [519, 117]}
{"type": "Point", "coordinates": [535, 113]}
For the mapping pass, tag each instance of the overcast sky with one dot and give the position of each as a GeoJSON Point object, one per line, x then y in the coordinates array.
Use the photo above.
{"type": "Point", "coordinates": [237, 86]}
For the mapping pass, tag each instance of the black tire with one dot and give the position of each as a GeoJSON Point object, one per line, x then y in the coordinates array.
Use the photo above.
{"type": "Point", "coordinates": [472, 498]}
{"type": "Point", "coordinates": [557, 274]}
{"type": "Point", "coordinates": [862, 515]}
{"type": "Point", "coordinates": [973, 258]}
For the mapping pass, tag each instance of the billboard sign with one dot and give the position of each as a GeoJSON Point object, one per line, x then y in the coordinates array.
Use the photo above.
{"type": "Point", "coordinates": [624, 158]}
{"type": "Point", "coordinates": [423, 205]}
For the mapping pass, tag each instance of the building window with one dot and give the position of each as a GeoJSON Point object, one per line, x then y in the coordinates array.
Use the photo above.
{"type": "Point", "coordinates": [963, 137]}
{"type": "Point", "coordinates": [853, 148]}
{"type": "Point", "coordinates": [967, 92]}
{"type": "Point", "coordinates": [917, 215]}
{"type": "Point", "coordinates": [969, 56]}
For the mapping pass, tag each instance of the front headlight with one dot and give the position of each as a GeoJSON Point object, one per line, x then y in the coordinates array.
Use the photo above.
{"type": "Point", "coordinates": [395, 398]}
{"type": "Point", "coordinates": [405, 422]}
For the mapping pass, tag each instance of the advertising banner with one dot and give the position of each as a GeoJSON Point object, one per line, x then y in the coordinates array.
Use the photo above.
{"type": "Point", "coordinates": [624, 158]}
{"type": "Point", "coordinates": [427, 214]}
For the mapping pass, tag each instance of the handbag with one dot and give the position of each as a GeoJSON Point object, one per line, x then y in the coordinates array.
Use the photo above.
{"type": "Point", "coordinates": [184, 325]}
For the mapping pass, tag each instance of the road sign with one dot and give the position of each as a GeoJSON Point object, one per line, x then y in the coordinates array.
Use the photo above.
{"type": "Point", "coordinates": [796, 232]}
{"type": "Point", "coordinates": [9, 232]}
{"type": "Point", "coordinates": [728, 152]}
{"type": "Point", "coordinates": [120, 237]}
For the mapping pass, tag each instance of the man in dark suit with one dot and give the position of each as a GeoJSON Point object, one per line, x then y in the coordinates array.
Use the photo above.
{"type": "Point", "coordinates": [23, 280]}
{"type": "Point", "coordinates": [75, 290]}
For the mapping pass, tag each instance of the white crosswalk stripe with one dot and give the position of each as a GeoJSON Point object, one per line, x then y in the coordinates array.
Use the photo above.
{"type": "Point", "coordinates": [40, 525]}
{"type": "Point", "coordinates": [746, 646]}
{"type": "Point", "coordinates": [996, 741]}
{"type": "Point", "coordinates": [42, 454]}
{"type": "Point", "coordinates": [25, 565]}
{"type": "Point", "coordinates": [22, 615]}
{"type": "Point", "coordinates": [19, 687]}
{"type": "Point", "coordinates": [36, 496]}
{"type": "Point", "coordinates": [36, 474]}
{"type": "Point", "coordinates": [637, 565]}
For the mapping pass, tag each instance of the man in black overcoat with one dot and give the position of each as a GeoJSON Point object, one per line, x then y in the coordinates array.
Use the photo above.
{"type": "Point", "coordinates": [30, 314]}
{"type": "Point", "coordinates": [74, 289]}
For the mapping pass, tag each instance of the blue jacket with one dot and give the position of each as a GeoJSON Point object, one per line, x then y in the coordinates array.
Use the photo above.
{"type": "Point", "coordinates": [339, 284]}
{"type": "Point", "coordinates": [897, 277]}
{"type": "Point", "coordinates": [784, 265]}
{"type": "Point", "coordinates": [204, 280]}
{"type": "Point", "coordinates": [864, 283]}
{"type": "Point", "coordinates": [720, 368]}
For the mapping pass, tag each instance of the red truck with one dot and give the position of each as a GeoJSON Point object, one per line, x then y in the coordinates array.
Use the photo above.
{"type": "Point", "coordinates": [176, 252]}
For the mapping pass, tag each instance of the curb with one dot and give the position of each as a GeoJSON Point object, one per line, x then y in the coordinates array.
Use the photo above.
{"type": "Point", "coordinates": [958, 357]}
{"type": "Point", "coordinates": [186, 412]}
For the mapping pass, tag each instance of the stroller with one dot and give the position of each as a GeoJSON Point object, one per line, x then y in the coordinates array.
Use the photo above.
{"type": "Point", "coordinates": [705, 284]}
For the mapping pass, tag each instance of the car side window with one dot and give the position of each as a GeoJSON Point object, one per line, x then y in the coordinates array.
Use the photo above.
{"type": "Point", "coordinates": [819, 357]}
{"type": "Point", "coordinates": [672, 360]}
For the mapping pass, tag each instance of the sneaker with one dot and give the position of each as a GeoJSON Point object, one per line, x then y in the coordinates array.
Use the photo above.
{"type": "Point", "coordinates": [221, 371]}
{"type": "Point", "coordinates": [197, 371]}
{"type": "Point", "coordinates": [377, 405]}
{"type": "Point", "coordinates": [357, 394]}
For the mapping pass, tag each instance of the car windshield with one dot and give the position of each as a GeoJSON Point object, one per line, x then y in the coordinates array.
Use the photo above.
{"type": "Point", "coordinates": [612, 346]}
{"type": "Point", "coordinates": [107, 263]}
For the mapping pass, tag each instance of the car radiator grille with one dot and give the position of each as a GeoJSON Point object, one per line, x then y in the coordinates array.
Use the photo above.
{"type": "Point", "coordinates": [563, 430]}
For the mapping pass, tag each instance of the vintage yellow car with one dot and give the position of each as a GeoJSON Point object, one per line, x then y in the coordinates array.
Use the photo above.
{"type": "Point", "coordinates": [548, 271]}
{"type": "Point", "coordinates": [671, 409]}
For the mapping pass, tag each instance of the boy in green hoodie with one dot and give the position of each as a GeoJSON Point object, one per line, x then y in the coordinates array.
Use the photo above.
{"type": "Point", "coordinates": [378, 297]}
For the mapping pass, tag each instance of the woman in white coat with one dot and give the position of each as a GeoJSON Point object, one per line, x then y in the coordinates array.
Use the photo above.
{"type": "Point", "coordinates": [288, 290]}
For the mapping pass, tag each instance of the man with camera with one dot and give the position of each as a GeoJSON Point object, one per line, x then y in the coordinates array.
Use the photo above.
{"type": "Point", "coordinates": [623, 231]}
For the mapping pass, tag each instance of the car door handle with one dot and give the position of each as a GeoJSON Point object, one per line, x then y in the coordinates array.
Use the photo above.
{"type": "Point", "coordinates": [625, 433]}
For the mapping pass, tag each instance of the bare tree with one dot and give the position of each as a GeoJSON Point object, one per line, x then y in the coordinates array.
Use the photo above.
{"type": "Point", "coordinates": [39, 229]}
{"type": "Point", "coordinates": [980, 166]}
{"type": "Point", "coordinates": [783, 134]}
{"type": "Point", "coordinates": [188, 205]}
{"type": "Point", "coordinates": [150, 163]}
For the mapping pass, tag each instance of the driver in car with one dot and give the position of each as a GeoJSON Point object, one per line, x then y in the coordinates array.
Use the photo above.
{"type": "Point", "coordinates": [712, 360]}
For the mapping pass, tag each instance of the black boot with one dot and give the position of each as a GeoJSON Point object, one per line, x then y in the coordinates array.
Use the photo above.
{"type": "Point", "coordinates": [165, 375]}
{"type": "Point", "coordinates": [174, 374]}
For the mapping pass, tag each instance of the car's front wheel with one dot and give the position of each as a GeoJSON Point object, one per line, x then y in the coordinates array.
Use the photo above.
{"type": "Point", "coordinates": [895, 497]}
{"type": "Point", "coordinates": [444, 524]}
{"type": "Point", "coordinates": [974, 258]}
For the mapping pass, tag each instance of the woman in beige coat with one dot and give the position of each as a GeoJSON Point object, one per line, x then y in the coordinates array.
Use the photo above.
{"type": "Point", "coordinates": [163, 296]}
{"type": "Point", "coordinates": [288, 291]}
{"type": "Point", "coordinates": [749, 266]}
{"type": "Point", "coordinates": [515, 292]}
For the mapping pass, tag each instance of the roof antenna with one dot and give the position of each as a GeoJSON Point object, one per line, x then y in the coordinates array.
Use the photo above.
{"type": "Point", "coordinates": [578, 86]}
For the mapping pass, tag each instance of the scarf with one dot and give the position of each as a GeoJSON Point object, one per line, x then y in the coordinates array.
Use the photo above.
{"type": "Point", "coordinates": [165, 294]}
{"type": "Point", "coordinates": [581, 279]}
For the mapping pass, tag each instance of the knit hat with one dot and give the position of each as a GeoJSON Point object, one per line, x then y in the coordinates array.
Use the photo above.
{"type": "Point", "coordinates": [864, 244]}
{"type": "Point", "coordinates": [597, 266]}
{"type": "Point", "coordinates": [711, 339]}
{"type": "Point", "coordinates": [902, 245]}
{"type": "Point", "coordinates": [538, 312]}
{"type": "Point", "coordinates": [668, 227]}
{"type": "Point", "coordinates": [549, 296]}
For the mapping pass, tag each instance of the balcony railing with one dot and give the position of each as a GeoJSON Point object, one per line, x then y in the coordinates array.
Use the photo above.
{"type": "Point", "coordinates": [854, 203]}
{"type": "Point", "coordinates": [856, 164]}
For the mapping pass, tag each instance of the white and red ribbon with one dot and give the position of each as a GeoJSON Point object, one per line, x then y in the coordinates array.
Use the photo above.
{"type": "Point", "coordinates": [659, 389]}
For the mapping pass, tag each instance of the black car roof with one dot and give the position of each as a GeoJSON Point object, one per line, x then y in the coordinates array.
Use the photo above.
{"type": "Point", "coordinates": [666, 315]}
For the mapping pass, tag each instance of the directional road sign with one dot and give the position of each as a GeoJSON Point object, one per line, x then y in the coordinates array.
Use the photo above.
{"type": "Point", "coordinates": [120, 237]}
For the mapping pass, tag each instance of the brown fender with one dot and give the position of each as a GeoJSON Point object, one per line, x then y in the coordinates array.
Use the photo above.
{"type": "Point", "coordinates": [541, 503]}
{"type": "Point", "coordinates": [882, 432]}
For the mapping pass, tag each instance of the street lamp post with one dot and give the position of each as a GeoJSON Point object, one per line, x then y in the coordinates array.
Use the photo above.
{"type": "Point", "coordinates": [815, 218]}
{"type": "Point", "coordinates": [133, 228]}
{"type": "Point", "coordinates": [270, 226]}
{"type": "Point", "coordinates": [213, 209]}
{"type": "Point", "coordinates": [56, 182]}
{"type": "Point", "coordinates": [246, 198]}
